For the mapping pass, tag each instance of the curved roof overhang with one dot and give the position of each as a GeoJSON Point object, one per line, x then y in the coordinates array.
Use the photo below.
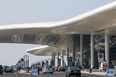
{"type": "Point", "coordinates": [99, 21]}
{"type": "Point", "coordinates": [42, 51]}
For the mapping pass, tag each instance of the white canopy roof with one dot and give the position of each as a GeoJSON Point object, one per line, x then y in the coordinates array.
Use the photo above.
{"type": "Point", "coordinates": [99, 21]}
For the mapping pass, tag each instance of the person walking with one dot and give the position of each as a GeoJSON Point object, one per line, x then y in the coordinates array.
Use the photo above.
{"type": "Point", "coordinates": [38, 69]}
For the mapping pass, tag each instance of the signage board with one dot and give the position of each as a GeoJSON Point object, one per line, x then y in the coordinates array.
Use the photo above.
{"type": "Point", "coordinates": [34, 71]}
{"type": "Point", "coordinates": [110, 71]}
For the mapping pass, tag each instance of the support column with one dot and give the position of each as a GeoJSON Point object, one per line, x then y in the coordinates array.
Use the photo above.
{"type": "Point", "coordinates": [54, 58]}
{"type": "Point", "coordinates": [28, 61]}
{"type": "Point", "coordinates": [24, 62]}
{"type": "Point", "coordinates": [62, 59]}
{"type": "Point", "coordinates": [107, 48]}
{"type": "Point", "coordinates": [92, 50]}
{"type": "Point", "coordinates": [73, 50]}
{"type": "Point", "coordinates": [67, 55]}
{"type": "Point", "coordinates": [81, 49]}
{"type": "Point", "coordinates": [57, 58]}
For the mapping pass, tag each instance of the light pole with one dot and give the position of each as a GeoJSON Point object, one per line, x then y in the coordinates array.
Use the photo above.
{"type": "Point", "coordinates": [27, 60]}
{"type": "Point", "coordinates": [24, 62]}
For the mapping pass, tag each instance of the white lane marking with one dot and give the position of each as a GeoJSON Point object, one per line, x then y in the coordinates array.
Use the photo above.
{"type": "Point", "coordinates": [16, 75]}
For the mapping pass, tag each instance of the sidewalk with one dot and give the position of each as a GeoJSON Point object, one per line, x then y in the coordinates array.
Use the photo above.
{"type": "Point", "coordinates": [23, 72]}
{"type": "Point", "coordinates": [29, 73]}
{"type": "Point", "coordinates": [94, 73]}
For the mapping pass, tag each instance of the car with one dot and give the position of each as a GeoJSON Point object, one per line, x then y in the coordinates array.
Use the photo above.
{"type": "Point", "coordinates": [40, 68]}
{"type": "Point", "coordinates": [73, 70]}
{"type": "Point", "coordinates": [61, 68]}
{"type": "Point", "coordinates": [53, 68]}
{"type": "Point", "coordinates": [47, 69]}
{"type": "Point", "coordinates": [9, 69]}
{"type": "Point", "coordinates": [1, 70]}
{"type": "Point", "coordinates": [56, 69]}
{"type": "Point", "coordinates": [14, 68]}
{"type": "Point", "coordinates": [5, 67]}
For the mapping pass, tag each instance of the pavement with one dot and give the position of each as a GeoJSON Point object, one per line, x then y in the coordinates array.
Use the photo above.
{"type": "Point", "coordinates": [94, 73]}
{"type": "Point", "coordinates": [84, 72]}
{"type": "Point", "coordinates": [55, 74]}
{"type": "Point", "coordinates": [62, 74]}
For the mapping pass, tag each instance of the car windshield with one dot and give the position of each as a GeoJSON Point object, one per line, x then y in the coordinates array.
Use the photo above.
{"type": "Point", "coordinates": [48, 66]}
{"type": "Point", "coordinates": [8, 68]}
{"type": "Point", "coordinates": [74, 68]}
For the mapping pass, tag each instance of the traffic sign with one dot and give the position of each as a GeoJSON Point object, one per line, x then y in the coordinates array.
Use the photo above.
{"type": "Point", "coordinates": [110, 71]}
{"type": "Point", "coordinates": [100, 57]}
{"type": "Point", "coordinates": [22, 59]}
{"type": "Point", "coordinates": [75, 59]}
{"type": "Point", "coordinates": [34, 71]}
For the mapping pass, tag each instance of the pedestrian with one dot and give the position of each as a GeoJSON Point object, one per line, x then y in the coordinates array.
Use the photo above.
{"type": "Point", "coordinates": [38, 69]}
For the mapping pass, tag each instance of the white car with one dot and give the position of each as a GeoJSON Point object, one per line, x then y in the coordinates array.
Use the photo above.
{"type": "Point", "coordinates": [47, 69]}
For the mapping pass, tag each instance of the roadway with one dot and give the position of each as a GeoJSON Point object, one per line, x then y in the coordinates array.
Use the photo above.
{"type": "Point", "coordinates": [46, 75]}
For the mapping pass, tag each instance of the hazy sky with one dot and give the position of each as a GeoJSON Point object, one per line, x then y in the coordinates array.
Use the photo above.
{"type": "Point", "coordinates": [29, 11]}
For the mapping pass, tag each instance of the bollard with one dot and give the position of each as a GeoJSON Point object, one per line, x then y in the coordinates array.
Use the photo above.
{"type": "Point", "coordinates": [90, 70]}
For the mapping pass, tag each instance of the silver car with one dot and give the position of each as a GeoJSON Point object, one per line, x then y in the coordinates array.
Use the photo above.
{"type": "Point", "coordinates": [47, 69]}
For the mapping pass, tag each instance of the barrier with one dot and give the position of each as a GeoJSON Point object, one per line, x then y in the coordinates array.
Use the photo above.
{"type": "Point", "coordinates": [110, 71]}
{"type": "Point", "coordinates": [34, 71]}
{"type": "Point", "coordinates": [114, 72]}
{"type": "Point", "coordinates": [26, 71]}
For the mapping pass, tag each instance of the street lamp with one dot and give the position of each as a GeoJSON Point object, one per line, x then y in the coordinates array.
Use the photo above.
{"type": "Point", "coordinates": [27, 60]}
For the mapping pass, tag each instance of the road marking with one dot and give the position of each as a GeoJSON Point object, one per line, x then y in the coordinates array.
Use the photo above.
{"type": "Point", "coordinates": [16, 75]}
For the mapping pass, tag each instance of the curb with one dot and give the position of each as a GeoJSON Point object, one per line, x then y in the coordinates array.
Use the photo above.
{"type": "Point", "coordinates": [103, 74]}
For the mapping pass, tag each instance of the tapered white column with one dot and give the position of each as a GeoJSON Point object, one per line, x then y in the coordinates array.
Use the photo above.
{"type": "Point", "coordinates": [107, 48]}
{"type": "Point", "coordinates": [92, 50]}
{"type": "Point", "coordinates": [62, 59]}
{"type": "Point", "coordinates": [81, 49]}
{"type": "Point", "coordinates": [57, 58]}
{"type": "Point", "coordinates": [67, 55]}
{"type": "Point", "coordinates": [73, 49]}
{"type": "Point", "coordinates": [54, 58]}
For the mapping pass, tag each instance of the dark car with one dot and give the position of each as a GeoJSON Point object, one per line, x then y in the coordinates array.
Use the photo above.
{"type": "Point", "coordinates": [9, 69]}
{"type": "Point", "coordinates": [1, 70]}
{"type": "Point", "coordinates": [73, 71]}
{"type": "Point", "coordinates": [5, 67]}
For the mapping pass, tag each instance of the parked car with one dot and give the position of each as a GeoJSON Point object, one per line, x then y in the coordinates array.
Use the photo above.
{"type": "Point", "coordinates": [47, 69]}
{"type": "Point", "coordinates": [56, 68]}
{"type": "Point", "coordinates": [1, 70]}
{"type": "Point", "coordinates": [73, 71]}
{"type": "Point", "coordinates": [61, 69]}
{"type": "Point", "coordinates": [9, 69]}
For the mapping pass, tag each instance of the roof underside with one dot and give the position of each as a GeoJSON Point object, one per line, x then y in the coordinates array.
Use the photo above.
{"type": "Point", "coordinates": [57, 34]}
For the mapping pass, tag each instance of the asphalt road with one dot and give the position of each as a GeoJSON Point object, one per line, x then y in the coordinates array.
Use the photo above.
{"type": "Point", "coordinates": [46, 75]}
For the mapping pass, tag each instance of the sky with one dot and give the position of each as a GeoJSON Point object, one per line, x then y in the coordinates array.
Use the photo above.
{"type": "Point", "coordinates": [30, 11]}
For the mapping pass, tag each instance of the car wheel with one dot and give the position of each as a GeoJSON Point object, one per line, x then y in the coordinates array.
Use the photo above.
{"type": "Point", "coordinates": [78, 75]}
{"type": "Point", "coordinates": [1, 73]}
{"type": "Point", "coordinates": [43, 72]}
{"type": "Point", "coordinates": [51, 72]}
